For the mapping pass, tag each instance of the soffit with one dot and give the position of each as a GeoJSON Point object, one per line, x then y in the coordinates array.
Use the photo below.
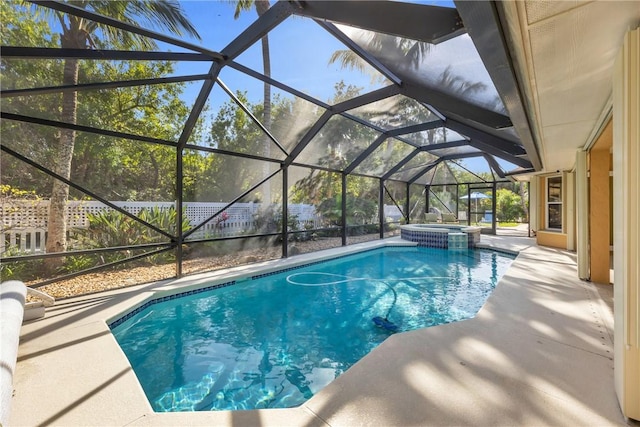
{"type": "Point", "coordinates": [569, 50]}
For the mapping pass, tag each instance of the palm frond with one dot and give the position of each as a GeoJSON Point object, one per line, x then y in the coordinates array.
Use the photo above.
{"type": "Point", "coordinates": [348, 59]}
{"type": "Point", "coordinates": [241, 6]}
{"type": "Point", "coordinates": [417, 53]}
{"type": "Point", "coordinates": [458, 84]}
{"type": "Point", "coordinates": [164, 15]}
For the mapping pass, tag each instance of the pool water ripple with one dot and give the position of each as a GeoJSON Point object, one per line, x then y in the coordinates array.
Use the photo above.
{"type": "Point", "coordinates": [275, 341]}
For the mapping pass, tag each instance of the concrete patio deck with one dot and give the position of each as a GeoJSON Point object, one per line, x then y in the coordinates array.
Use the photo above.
{"type": "Point", "coordinates": [538, 353]}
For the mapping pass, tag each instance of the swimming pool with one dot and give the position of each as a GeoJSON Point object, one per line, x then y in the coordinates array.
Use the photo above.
{"type": "Point", "coordinates": [275, 340]}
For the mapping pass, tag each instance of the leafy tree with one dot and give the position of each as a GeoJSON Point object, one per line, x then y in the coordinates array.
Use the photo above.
{"type": "Point", "coordinates": [114, 168]}
{"type": "Point", "coordinates": [80, 33]}
{"type": "Point", "coordinates": [362, 200]}
{"type": "Point", "coordinates": [120, 169]}
{"type": "Point", "coordinates": [20, 28]}
{"type": "Point", "coordinates": [508, 205]}
{"type": "Point", "coordinates": [523, 188]}
{"type": "Point", "coordinates": [339, 143]}
{"type": "Point", "coordinates": [217, 177]}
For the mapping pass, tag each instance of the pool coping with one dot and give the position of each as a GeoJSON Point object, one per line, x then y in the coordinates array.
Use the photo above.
{"type": "Point", "coordinates": [57, 354]}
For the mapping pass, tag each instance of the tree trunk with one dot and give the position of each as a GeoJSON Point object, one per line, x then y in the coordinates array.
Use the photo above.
{"type": "Point", "coordinates": [57, 224]}
{"type": "Point", "coordinates": [261, 7]}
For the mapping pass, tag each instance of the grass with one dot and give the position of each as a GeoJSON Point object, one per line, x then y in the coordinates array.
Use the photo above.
{"type": "Point", "coordinates": [508, 224]}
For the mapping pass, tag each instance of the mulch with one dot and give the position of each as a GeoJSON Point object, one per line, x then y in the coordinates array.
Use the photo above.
{"type": "Point", "coordinates": [130, 276]}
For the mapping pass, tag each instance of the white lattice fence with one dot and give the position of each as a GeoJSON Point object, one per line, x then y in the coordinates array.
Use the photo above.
{"type": "Point", "coordinates": [239, 218]}
{"type": "Point", "coordinates": [24, 222]}
{"type": "Point", "coordinates": [24, 240]}
{"type": "Point", "coordinates": [307, 215]}
{"type": "Point", "coordinates": [392, 211]}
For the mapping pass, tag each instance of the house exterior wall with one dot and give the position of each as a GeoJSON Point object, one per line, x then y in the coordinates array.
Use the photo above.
{"type": "Point", "coordinates": [599, 201]}
{"type": "Point", "coordinates": [626, 217]}
{"type": "Point", "coordinates": [552, 239]}
{"type": "Point", "coordinates": [545, 237]}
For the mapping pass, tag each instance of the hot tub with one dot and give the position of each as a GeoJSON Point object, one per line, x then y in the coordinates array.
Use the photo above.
{"type": "Point", "coordinates": [444, 236]}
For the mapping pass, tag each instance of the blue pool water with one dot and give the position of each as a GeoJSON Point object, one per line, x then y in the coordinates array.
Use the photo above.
{"type": "Point", "coordinates": [275, 341]}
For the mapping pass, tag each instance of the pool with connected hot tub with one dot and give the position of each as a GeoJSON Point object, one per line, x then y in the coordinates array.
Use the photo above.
{"type": "Point", "coordinates": [443, 236]}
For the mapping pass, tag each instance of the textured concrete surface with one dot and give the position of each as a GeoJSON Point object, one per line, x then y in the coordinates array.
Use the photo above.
{"type": "Point", "coordinates": [538, 353]}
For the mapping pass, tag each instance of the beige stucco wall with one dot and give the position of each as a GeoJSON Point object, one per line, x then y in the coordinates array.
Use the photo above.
{"type": "Point", "coordinates": [599, 201]}
{"type": "Point", "coordinates": [551, 238]}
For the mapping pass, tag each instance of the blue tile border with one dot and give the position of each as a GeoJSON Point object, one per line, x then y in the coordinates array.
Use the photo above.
{"type": "Point", "coordinates": [149, 303]}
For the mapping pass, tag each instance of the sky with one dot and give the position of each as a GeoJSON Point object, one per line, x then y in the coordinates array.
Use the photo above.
{"type": "Point", "coordinates": [300, 52]}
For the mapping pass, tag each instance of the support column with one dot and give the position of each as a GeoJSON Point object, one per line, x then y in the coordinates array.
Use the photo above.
{"type": "Point", "coordinates": [494, 219]}
{"type": "Point", "coordinates": [285, 211]}
{"type": "Point", "coordinates": [568, 200]}
{"type": "Point", "coordinates": [582, 215]}
{"type": "Point", "coordinates": [427, 189]}
{"type": "Point", "coordinates": [343, 208]}
{"type": "Point", "coordinates": [626, 216]}
{"type": "Point", "coordinates": [534, 212]}
{"type": "Point", "coordinates": [407, 205]}
{"type": "Point", "coordinates": [457, 202]}
{"type": "Point", "coordinates": [179, 204]}
{"type": "Point", "coordinates": [381, 217]}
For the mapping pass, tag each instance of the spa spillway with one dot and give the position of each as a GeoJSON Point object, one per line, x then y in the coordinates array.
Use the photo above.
{"type": "Point", "coordinates": [444, 236]}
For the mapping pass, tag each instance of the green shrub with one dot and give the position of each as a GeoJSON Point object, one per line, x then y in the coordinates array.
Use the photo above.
{"type": "Point", "coordinates": [508, 205]}
{"type": "Point", "coordinates": [20, 270]}
{"type": "Point", "coordinates": [111, 228]}
{"type": "Point", "coordinates": [269, 220]}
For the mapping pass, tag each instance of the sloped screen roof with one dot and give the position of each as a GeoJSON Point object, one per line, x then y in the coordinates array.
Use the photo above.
{"type": "Point", "coordinates": [347, 91]}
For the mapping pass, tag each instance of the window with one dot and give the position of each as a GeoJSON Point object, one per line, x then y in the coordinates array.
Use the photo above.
{"type": "Point", "coordinates": [554, 203]}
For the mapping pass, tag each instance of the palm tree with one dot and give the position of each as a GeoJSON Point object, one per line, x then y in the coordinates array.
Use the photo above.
{"type": "Point", "coordinates": [261, 7]}
{"type": "Point", "coordinates": [77, 33]}
{"type": "Point", "coordinates": [452, 83]}
{"type": "Point", "coordinates": [405, 52]}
